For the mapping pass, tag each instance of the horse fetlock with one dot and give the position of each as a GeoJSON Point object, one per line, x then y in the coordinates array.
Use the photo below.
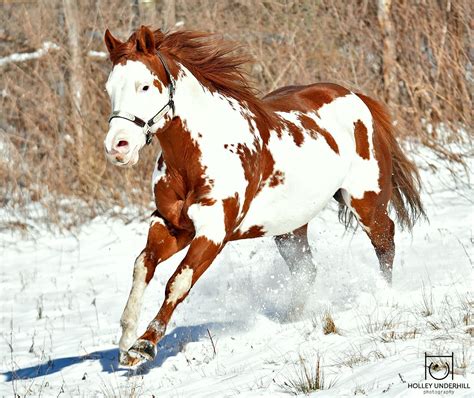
{"type": "Point", "coordinates": [127, 339]}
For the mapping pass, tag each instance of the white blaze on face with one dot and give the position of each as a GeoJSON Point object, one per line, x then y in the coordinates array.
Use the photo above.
{"type": "Point", "coordinates": [180, 286]}
{"type": "Point", "coordinates": [131, 89]}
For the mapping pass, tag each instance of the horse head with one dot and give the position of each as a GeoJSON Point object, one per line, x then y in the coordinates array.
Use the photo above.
{"type": "Point", "coordinates": [141, 88]}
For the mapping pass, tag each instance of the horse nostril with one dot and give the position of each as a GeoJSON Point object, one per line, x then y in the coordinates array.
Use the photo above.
{"type": "Point", "coordinates": [122, 143]}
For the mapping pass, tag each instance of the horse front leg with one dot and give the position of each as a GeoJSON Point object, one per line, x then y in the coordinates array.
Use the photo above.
{"type": "Point", "coordinates": [162, 243]}
{"type": "Point", "coordinates": [206, 245]}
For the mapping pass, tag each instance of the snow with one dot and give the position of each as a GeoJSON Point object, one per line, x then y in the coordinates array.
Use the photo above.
{"type": "Point", "coordinates": [97, 54]}
{"type": "Point", "coordinates": [21, 57]}
{"type": "Point", "coordinates": [62, 298]}
{"type": "Point", "coordinates": [46, 47]}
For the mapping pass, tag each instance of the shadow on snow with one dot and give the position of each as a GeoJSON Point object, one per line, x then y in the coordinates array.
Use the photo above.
{"type": "Point", "coordinates": [169, 346]}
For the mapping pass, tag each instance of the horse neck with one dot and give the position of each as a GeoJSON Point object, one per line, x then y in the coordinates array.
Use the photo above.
{"type": "Point", "coordinates": [210, 113]}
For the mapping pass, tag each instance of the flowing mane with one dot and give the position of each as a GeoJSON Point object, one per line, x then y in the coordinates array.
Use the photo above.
{"type": "Point", "coordinates": [215, 62]}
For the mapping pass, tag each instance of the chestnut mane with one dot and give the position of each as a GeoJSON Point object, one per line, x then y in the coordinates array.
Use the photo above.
{"type": "Point", "coordinates": [216, 63]}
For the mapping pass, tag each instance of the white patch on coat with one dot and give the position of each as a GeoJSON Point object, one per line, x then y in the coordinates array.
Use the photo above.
{"type": "Point", "coordinates": [213, 121]}
{"type": "Point", "coordinates": [180, 285]}
{"type": "Point", "coordinates": [208, 221]}
{"type": "Point", "coordinates": [313, 172]}
{"type": "Point", "coordinates": [363, 175]}
{"type": "Point", "coordinates": [154, 220]}
{"type": "Point", "coordinates": [131, 313]}
{"type": "Point", "coordinates": [158, 174]}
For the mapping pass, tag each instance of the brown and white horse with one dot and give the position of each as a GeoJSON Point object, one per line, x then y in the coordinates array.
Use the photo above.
{"type": "Point", "coordinates": [232, 166]}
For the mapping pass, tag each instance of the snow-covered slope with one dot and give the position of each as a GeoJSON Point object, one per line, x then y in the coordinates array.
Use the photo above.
{"type": "Point", "coordinates": [61, 300]}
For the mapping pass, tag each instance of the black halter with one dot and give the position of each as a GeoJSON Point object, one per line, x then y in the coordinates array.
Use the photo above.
{"type": "Point", "coordinates": [147, 126]}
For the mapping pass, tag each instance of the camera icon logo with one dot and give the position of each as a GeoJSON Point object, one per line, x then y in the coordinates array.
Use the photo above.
{"type": "Point", "coordinates": [439, 367]}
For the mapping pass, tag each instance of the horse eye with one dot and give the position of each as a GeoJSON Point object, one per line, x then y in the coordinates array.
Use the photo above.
{"type": "Point", "coordinates": [145, 88]}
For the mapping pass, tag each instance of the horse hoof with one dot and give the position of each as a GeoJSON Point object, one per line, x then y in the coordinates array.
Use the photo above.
{"type": "Point", "coordinates": [143, 350]}
{"type": "Point", "coordinates": [126, 360]}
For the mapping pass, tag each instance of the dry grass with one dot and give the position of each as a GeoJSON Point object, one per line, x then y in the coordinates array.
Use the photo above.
{"type": "Point", "coordinates": [381, 322]}
{"type": "Point", "coordinates": [356, 356]}
{"type": "Point", "coordinates": [426, 306]}
{"type": "Point", "coordinates": [51, 168]}
{"type": "Point", "coordinates": [328, 324]}
{"type": "Point", "coordinates": [306, 378]}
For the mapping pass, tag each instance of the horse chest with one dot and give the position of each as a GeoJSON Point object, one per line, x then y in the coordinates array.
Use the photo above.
{"type": "Point", "coordinates": [172, 202]}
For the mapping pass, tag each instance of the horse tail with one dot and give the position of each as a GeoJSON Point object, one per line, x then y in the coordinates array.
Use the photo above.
{"type": "Point", "coordinates": [406, 185]}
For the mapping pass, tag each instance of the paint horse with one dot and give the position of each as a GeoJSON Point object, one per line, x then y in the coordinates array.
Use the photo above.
{"type": "Point", "coordinates": [233, 166]}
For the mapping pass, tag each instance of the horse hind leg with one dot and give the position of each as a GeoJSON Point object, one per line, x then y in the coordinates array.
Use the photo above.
{"type": "Point", "coordinates": [295, 250]}
{"type": "Point", "coordinates": [371, 212]}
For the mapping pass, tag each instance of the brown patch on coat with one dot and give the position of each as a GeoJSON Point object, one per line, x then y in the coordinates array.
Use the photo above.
{"type": "Point", "coordinates": [254, 231]}
{"type": "Point", "coordinates": [231, 212]}
{"type": "Point", "coordinates": [206, 201]}
{"type": "Point", "coordinates": [163, 241]}
{"type": "Point", "coordinates": [312, 127]}
{"type": "Point", "coordinates": [158, 85]}
{"type": "Point", "coordinates": [362, 140]}
{"type": "Point", "coordinates": [251, 163]}
{"type": "Point", "coordinates": [304, 98]}
{"type": "Point", "coordinates": [267, 167]}
{"type": "Point", "coordinates": [185, 183]}
{"type": "Point", "coordinates": [295, 132]}
{"type": "Point", "coordinates": [277, 178]}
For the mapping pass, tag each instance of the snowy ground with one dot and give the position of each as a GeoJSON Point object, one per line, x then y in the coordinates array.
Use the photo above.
{"type": "Point", "coordinates": [61, 300]}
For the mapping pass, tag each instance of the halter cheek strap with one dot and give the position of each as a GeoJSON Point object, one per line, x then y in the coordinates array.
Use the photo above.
{"type": "Point", "coordinates": [148, 126]}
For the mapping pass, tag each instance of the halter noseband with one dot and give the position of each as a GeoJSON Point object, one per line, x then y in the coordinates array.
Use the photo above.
{"type": "Point", "coordinates": [147, 126]}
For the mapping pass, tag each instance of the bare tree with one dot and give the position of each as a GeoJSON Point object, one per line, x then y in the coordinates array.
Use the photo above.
{"type": "Point", "coordinates": [169, 14]}
{"type": "Point", "coordinates": [75, 74]}
{"type": "Point", "coordinates": [389, 51]}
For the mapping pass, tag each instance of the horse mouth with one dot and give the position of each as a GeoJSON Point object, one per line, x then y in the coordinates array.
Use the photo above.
{"type": "Point", "coordinates": [124, 161]}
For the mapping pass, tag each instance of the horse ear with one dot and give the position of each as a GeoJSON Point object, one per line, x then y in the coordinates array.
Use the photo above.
{"type": "Point", "coordinates": [145, 40]}
{"type": "Point", "coordinates": [110, 41]}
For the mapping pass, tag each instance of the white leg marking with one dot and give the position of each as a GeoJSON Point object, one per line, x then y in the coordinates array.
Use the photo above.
{"type": "Point", "coordinates": [180, 286]}
{"type": "Point", "coordinates": [131, 312]}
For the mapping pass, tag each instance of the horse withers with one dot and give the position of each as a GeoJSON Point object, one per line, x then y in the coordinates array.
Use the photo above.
{"type": "Point", "coordinates": [233, 166]}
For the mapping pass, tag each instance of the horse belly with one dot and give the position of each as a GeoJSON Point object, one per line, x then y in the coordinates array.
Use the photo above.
{"type": "Point", "coordinates": [309, 175]}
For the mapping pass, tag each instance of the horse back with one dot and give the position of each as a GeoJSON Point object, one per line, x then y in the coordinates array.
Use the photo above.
{"type": "Point", "coordinates": [304, 98]}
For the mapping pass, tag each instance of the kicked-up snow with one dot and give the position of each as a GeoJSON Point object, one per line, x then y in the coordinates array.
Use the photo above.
{"type": "Point", "coordinates": [62, 298]}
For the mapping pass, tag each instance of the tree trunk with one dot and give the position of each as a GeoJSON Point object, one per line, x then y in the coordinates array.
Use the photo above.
{"type": "Point", "coordinates": [169, 15]}
{"type": "Point", "coordinates": [75, 76]}
{"type": "Point", "coordinates": [389, 52]}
